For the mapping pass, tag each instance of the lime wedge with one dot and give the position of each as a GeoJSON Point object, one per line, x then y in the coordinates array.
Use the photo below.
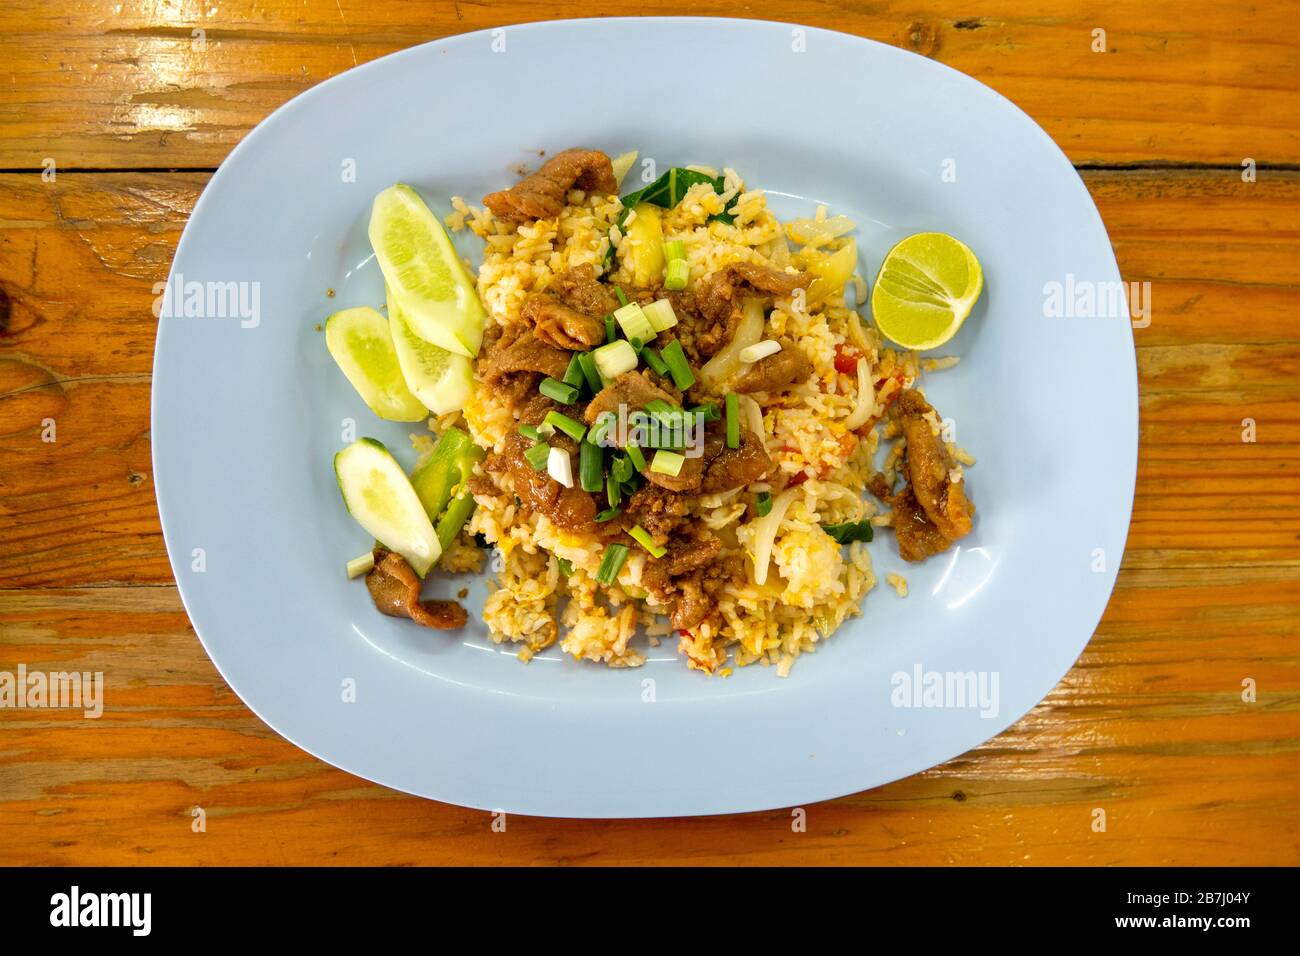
{"type": "Point", "coordinates": [926, 287]}
{"type": "Point", "coordinates": [380, 496]}
{"type": "Point", "coordinates": [424, 272]}
{"type": "Point", "coordinates": [362, 345]}
{"type": "Point", "coordinates": [440, 379]}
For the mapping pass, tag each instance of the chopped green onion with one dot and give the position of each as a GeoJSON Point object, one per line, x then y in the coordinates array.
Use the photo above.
{"type": "Point", "coordinates": [566, 567]}
{"type": "Point", "coordinates": [643, 538]}
{"type": "Point", "coordinates": [850, 531]}
{"type": "Point", "coordinates": [590, 372]}
{"type": "Point", "coordinates": [609, 514]}
{"type": "Point", "coordinates": [667, 463]}
{"type": "Point", "coordinates": [763, 504]}
{"type": "Point", "coordinates": [574, 429]}
{"type": "Point", "coordinates": [611, 564]}
{"type": "Point", "coordinates": [611, 330]}
{"type": "Point", "coordinates": [677, 275]}
{"type": "Point", "coordinates": [678, 367]}
{"type": "Point", "coordinates": [573, 376]}
{"type": "Point", "coordinates": [529, 431]}
{"type": "Point", "coordinates": [591, 467]}
{"type": "Point", "coordinates": [733, 420]}
{"type": "Point", "coordinates": [711, 411]}
{"type": "Point", "coordinates": [604, 422]}
{"type": "Point", "coordinates": [658, 405]}
{"type": "Point", "coordinates": [672, 420]}
{"type": "Point", "coordinates": [564, 394]}
{"type": "Point", "coordinates": [620, 469]}
{"type": "Point", "coordinates": [634, 454]}
{"type": "Point", "coordinates": [632, 320]}
{"type": "Point", "coordinates": [614, 359]}
{"type": "Point", "coordinates": [613, 491]}
{"type": "Point", "coordinates": [654, 361]}
{"type": "Point", "coordinates": [674, 249]}
{"type": "Point", "coordinates": [660, 314]}
{"type": "Point", "coordinates": [361, 565]}
{"type": "Point", "coordinates": [538, 455]}
{"type": "Point", "coordinates": [622, 299]}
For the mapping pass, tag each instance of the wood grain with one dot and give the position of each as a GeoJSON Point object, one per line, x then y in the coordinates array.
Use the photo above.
{"type": "Point", "coordinates": [105, 83]}
{"type": "Point", "coordinates": [1150, 724]}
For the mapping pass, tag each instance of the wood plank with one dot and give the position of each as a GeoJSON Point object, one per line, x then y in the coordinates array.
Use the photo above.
{"type": "Point", "coordinates": [98, 83]}
{"type": "Point", "coordinates": [1149, 726]}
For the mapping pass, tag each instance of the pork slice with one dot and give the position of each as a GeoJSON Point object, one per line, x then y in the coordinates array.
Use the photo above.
{"type": "Point", "coordinates": [776, 371]}
{"type": "Point", "coordinates": [718, 298]}
{"type": "Point", "coordinates": [929, 467]}
{"type": "Point", "coordinates": [656, 509]}
{"type": "Point", "coordinates": [730, 468]}
{"type": "Point", "coordinates": [632, 390]}
{"type": "Point", "coordinates": [542, 194]}
{"type": "Point", "coordinates": [525, 354]}
{"type": "Point", "coordinates": [571, 509]}
{"type": "Point", "coordinates": [395, 589]}
{"type": "Point", "coordinates": [581, 289]}
{"type": "Point", "coordinates": [918, 538]}
{"type": "Point", "coordinates": [554, 323]}
{"type": "Point", "coordinates": [570, 312]}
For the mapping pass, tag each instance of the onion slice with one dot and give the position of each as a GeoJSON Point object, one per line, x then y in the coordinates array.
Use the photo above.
{"type": "Point", "coordinates": [560, 466]}
{"type": "Point", "coordinates": [753, 413]}
{"type": "Point", "coordinates": [765, 534]}
{"type": "Point", "coordinates": [866, 399]}
{"type": "Point", "coordinates": [727, 362]}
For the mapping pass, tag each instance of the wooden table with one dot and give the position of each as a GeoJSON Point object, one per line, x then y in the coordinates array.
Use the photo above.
{"type": "Point", "coordinates": [136, 103]}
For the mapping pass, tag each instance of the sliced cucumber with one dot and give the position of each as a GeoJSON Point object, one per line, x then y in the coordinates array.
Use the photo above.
{"type": "Point", "coordinates": [424, 272]}
{"type": "Point", "coordinates": [362, 345]}
{"type": "Point", "coordinates": [379, 495]}
{"type": "Point", "coordinates": [440, 379]}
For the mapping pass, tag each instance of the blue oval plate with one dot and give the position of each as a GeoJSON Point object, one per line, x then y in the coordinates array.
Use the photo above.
{"type": "Point", "coordinates": [248, 410]}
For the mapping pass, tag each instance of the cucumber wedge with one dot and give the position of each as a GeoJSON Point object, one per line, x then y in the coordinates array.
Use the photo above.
{"type": "Point", "coordinates": [379, 495]}
{"type": "Point", "coordinates": [424, 272]}
{"type": "Point", "coordinates": [454, 518]}
{"type": "Point", "coordinates": [440, 379]}
{"type": "Point", "coordinates": [362, 345]}
{"type": "Point", "coordinates": [449, 465]}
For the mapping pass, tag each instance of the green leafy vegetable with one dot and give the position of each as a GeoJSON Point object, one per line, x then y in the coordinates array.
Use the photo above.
{"type": "Point", "coordinates": [850, 531]}
{"type": "Point", "coordinates": [669, 189]}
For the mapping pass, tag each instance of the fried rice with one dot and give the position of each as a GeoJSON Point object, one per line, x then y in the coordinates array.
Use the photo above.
{"type": "Point", "coordinates": [545, 589]}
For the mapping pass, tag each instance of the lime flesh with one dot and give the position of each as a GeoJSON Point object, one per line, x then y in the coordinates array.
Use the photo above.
{"type": "Point", "coordinates": [926, 288]}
